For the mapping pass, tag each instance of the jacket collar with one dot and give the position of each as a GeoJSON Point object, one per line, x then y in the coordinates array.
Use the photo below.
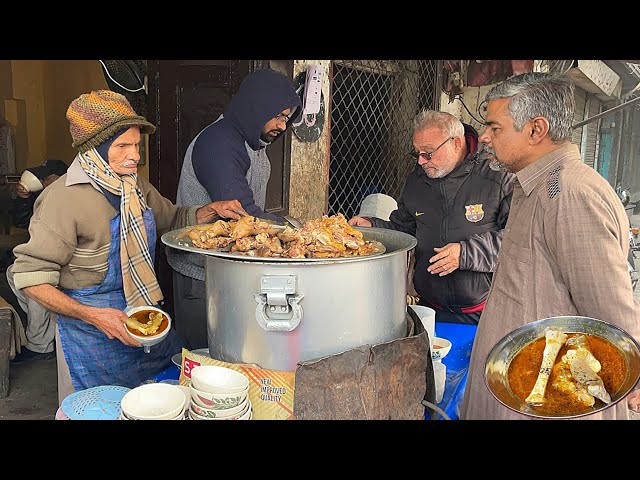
{"type": "Point", "coordinates": [77, 175]}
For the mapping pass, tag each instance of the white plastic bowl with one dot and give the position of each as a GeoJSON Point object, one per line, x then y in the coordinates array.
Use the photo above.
{"type": "Point", "coordinates": [153, 401]}
{"type": "Point", "coordinates": [440, 348]}
{"type": "Point", "coordinates": [245, 414]}
{"type": "Point", "coordinates": [215, 379]}
{"type": "Point", "coordinates": [229, 413]}
{"type": "Point", "coordinates": [30, 182]}
{"type": "Point", "coordinates": [218, 401]}
{"type": "Point", "coordinates": [149, 340]}
{"type": "Point", "coordinates": [248, 415]}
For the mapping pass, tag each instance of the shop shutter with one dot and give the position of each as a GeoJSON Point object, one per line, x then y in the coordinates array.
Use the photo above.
{"type": "Point", "coordinates": [594, 106]}
{"type": "Point", "coordinates": [586, 137]}
{"type": "Point", "coordinates": [580, 96]}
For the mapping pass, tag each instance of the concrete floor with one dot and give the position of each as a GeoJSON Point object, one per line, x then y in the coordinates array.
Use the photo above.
{"type": "Point", "coordinates": [33, 392]}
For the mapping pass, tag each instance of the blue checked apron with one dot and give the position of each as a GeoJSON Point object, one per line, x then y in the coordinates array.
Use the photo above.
{"type": "Point", "coordinates": [95, 360]}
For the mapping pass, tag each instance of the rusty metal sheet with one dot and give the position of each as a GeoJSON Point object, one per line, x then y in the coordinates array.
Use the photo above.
{"type": "Point", "coordinates": [379, 382]}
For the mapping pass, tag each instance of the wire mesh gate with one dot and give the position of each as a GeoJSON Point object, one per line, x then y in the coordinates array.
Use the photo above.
{"type": "Point", "coordinates": [373, 104]}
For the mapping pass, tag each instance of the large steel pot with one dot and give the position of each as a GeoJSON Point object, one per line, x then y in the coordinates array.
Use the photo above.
{"type": "Point", "coordinates": [276, 312]}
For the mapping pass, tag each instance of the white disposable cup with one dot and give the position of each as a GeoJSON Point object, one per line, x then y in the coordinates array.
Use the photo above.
{"type": "Point", "coordinates": [428, 317]}
{"type": "Point", "coordinates": [440, 377]}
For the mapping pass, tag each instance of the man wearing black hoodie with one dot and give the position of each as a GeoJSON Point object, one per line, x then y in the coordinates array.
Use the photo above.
{"type": "Point", "coordinates": [228, 160]}
{"type": "Point", "coordinates": [456, 203]}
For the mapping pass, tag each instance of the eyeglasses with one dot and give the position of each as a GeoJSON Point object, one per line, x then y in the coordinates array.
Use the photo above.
{"type": "Point", "coordinates": [283, 118]}
{"type": "Point", "coordinates": [428, 155]}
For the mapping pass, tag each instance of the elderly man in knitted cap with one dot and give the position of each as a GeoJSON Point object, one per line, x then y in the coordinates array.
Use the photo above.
{"type": "Point", "coordinates": [92, 248]}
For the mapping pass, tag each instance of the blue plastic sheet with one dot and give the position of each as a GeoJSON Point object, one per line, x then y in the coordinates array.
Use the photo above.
{"type": "Point", "coordinates": [171, 373]}
{"type": "Point", "coordinates": [457, 362]}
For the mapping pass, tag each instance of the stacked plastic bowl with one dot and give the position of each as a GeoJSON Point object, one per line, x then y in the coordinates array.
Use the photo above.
{"type": "Point", "coordinates": [154, 401]}
{"type": "Point", "coordinates": [218, 393]}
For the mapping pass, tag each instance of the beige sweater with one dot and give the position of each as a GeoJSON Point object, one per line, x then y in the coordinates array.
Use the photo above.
{"type": "Point", "coordinates": [70, 235]}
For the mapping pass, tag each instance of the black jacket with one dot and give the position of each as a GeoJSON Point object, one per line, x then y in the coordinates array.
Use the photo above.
{"type": "Point", "coordinates": [469, 206]}
{"type": "Point", "coordinates": [21, 210]}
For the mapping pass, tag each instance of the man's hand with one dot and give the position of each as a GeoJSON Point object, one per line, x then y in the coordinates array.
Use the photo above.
{"type": "Point", "coordinates": [633, 401]}
{"type": "Point", "coordinates": [359, 222]}
{"type": "Point", "coordinates": [446, 260]}
{"type": "Point", "coordinates": [226, 209]}
{"type": "Point", "coordinates": [111, 322]}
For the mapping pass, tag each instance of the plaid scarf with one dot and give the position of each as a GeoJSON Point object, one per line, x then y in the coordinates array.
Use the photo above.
{"type": "Point", "coordinates": [138, 276]}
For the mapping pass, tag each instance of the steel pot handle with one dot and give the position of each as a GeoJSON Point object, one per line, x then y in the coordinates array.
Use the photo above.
{"type": "Point", "coordinates": [273, 318]}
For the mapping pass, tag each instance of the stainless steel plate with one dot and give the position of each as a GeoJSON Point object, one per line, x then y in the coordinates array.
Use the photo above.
{"type": "Point", "coordinates": [499, 358]}
{"type": "Point", "coordinates": [177, 358]}
{"type": "Point", "coordinates": [180, 240]}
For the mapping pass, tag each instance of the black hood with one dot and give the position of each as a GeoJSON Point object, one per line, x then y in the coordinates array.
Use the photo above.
{"type": "Point", "coordinates": [262, 95]}
{"type": "Point", "coordinates": [471, 136]}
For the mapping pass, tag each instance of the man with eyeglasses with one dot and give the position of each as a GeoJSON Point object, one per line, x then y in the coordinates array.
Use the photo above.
{"type": "Point", "coordinates": [228, 160]}
{"type": "Point", "coordinates": [456, 203]}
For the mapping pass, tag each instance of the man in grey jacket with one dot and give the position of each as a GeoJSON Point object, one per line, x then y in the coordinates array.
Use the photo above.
{"type": "Point", "coordinates": [228, 160]}
{"type": "Point", "coordinates": [456, 203]}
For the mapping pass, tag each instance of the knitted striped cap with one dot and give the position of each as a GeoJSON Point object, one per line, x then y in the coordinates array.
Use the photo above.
{"type": "Point", "coordinates": [96, 116]}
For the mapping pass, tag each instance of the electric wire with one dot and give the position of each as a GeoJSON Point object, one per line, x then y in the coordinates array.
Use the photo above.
{"type": "Point", "coordinates": [436, 408]}
{"type": "Point", "coordinates": [459, 97]}
{"type": "Point", "coordinates": [469, 112]}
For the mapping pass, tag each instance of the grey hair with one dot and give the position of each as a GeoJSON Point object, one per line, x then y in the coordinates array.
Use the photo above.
{"type": "Point", "coordinates": [446, 122]}
{"type": "Point", "coordinates": [536, 94]}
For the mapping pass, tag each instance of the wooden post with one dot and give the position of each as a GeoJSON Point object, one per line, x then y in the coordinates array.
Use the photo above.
{"type": "Point", "coordinates": [5, 350]}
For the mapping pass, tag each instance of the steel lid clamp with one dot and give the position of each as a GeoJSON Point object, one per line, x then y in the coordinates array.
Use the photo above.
{"type": "Point", "coordinates": [278, 307]}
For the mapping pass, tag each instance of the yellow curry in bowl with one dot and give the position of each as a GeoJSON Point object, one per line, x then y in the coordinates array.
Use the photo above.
{"type": "Point", "coordinates": [147, 323]}
{"type": "Point", "coordinates": [567, 390]}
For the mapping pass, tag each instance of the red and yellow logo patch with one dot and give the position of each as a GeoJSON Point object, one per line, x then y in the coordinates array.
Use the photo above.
{"type": "Point", "coordinates": [474, 213]}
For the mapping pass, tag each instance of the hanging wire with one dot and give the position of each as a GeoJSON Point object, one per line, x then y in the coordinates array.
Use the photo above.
{"type": "Point", "coordinates": [438, 410]}
{"type": "Point", "coordinates": [459, 97]}
{"type": "Point", "coordinates": [117, 83]}
{"type": "Point", "coordinates": [482, 107]}
{"type": "Point", "coordinates": [561, 67]}
{"type": "Point", "coordinates": [481, 122]}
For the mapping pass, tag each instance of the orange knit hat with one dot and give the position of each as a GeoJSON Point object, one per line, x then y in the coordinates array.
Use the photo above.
{"type": "Point", "coordinates": [96, 116]}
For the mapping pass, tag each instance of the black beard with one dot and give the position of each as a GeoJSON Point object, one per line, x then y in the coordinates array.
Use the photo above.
{"type": "Point", "coordinates": [268, 139]}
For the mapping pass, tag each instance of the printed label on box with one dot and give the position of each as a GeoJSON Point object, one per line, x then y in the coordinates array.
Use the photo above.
{"type": "Point", "coordinates": [270, 391]}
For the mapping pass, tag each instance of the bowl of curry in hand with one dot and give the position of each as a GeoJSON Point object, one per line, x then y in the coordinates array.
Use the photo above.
{"type": "Point", "coordinates": [149, 325]}
{"type": "Point", "coordinates": [563, 367]}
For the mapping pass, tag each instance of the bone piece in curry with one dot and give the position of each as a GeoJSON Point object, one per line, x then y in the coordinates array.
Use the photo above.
{"type": "Point", "coordinates": [582, 371]}
{"type": "Point", "coordinates": [148, 328]}
{"type": "Point", "coordinates": [554, 340]}
{"type": "Point", "coordinates": [564, 382]}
